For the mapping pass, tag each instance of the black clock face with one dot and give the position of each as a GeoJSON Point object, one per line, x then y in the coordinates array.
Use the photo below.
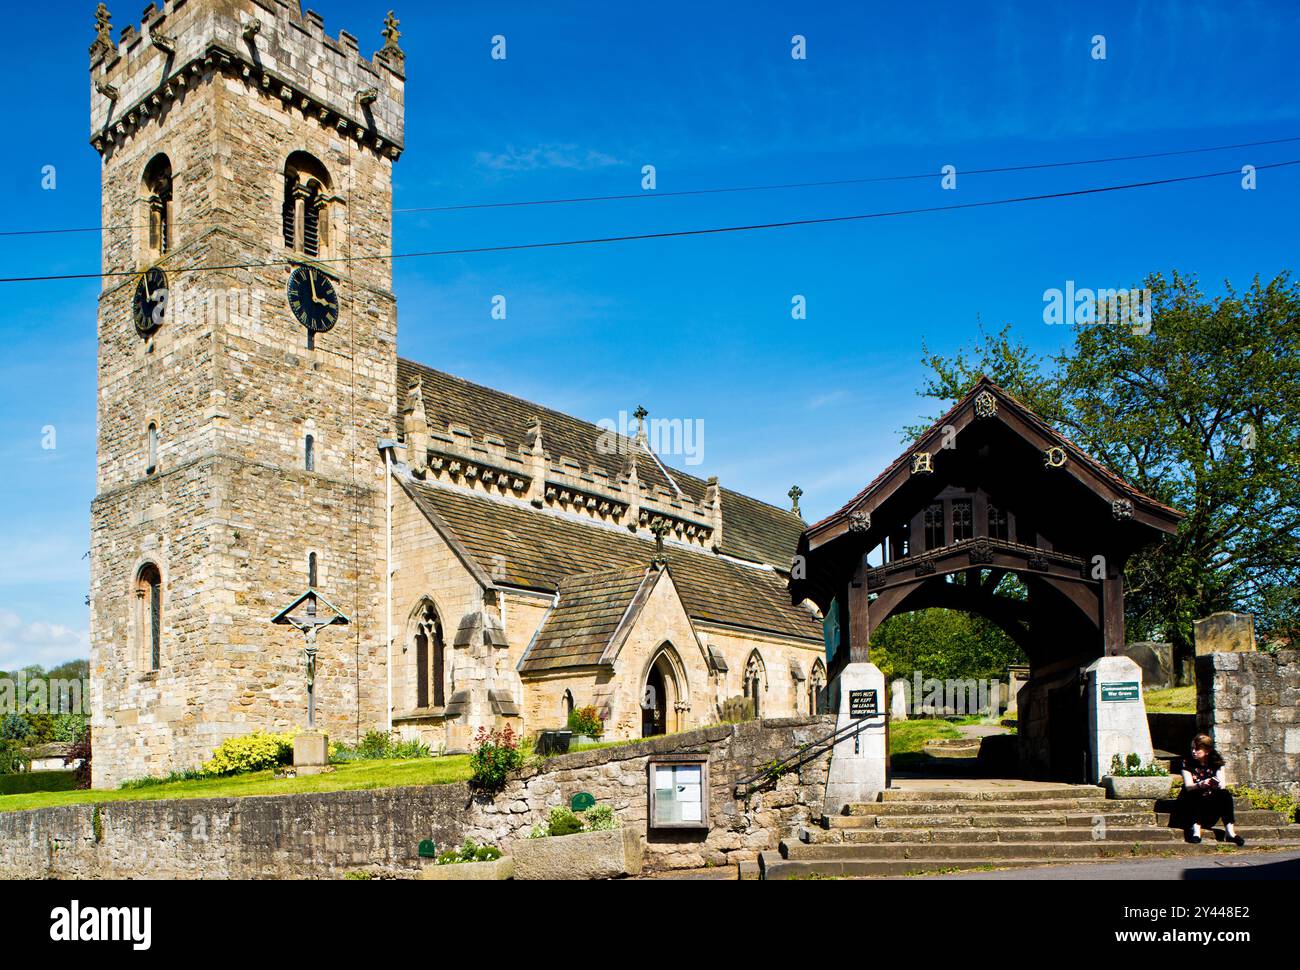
{"type": "Point", "coordinates": [150, 304]}
{"type": "Point", "coordinates": [313, 299]}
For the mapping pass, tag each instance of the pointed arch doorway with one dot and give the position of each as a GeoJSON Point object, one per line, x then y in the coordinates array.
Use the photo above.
{"type": "Point", "coordinates": [664, 694]}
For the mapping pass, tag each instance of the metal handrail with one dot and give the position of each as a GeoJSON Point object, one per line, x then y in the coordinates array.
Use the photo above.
{"type": "Point", "coordinates": [804, 754]}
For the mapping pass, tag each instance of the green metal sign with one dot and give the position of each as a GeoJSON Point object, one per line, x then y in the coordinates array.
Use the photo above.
{"type": "Point", "coordinates": [1129, 690]}
{"type": "Point", "coordinates": [581, 801]}
{"type": "Point", "coordinates": [831, 630]}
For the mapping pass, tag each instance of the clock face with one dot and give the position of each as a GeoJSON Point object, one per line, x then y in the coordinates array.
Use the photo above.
{"type": "Point", "coordinates": [313, 299]}
{"type": "Point", "coordinates": [150, 304]}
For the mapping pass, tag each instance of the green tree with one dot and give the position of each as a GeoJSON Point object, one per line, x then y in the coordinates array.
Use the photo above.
{"type": "Point", "coordinates": [946, 644]}
{"type": "Point", "coordinates": [1203, 413]}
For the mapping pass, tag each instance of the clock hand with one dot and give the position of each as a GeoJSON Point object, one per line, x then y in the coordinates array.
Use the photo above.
{"type": "Point", "coordinates": [147, 294]}
{"type": "Point", "coordinates": [311, 278]}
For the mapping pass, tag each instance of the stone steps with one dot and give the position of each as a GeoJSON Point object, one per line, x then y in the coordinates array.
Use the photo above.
{"type": "Point", "coordinates": [995, 851]}
{"type": "Point", "coordinates": [990, 807]}
{"type": "Point", "coordinates": [995, 794]}
{"type": "Point", "coordinates": [1019, 819]}
{"type": "Point", "coordinates": [1014, 836]}
{"type": "Point", "coordinates": [779, 868]}
{"type": "Point", "coordinates": [928, 831]}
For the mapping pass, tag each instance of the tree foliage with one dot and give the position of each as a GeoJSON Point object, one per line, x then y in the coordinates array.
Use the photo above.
{"type": "Point", "coordinates": [1202, 413]}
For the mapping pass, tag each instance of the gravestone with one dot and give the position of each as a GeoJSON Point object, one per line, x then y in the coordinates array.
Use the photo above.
{"type": "Point", "coordinates": [857, 769]}
{"type": "Point", "coordinates": [1017, 677]}
{"type": "Point", "coordinates": [1117, 715]}
{"type": "Point", "coordinates": [898, 706]}
{"type": "Point", "coordinates": [1225, 633]}
{"type": "Point", "coordinates": [1156, 661]}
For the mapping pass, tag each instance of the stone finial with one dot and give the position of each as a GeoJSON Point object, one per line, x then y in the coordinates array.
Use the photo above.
{"type": "Point", "coordinates": [795, 494]}
{"type": "Point", "coordinates": [103, 31]}
{"type": "Point", "coordinates": [713, 501]}
{"type": "Point", "coordinates": [391, 34]}
{"type": "Point", "coordinates": [641, 414]}
{"type": "Point", "coordinates": [416, 423]}
{"type": "Point", "coordinates": [536, 462]}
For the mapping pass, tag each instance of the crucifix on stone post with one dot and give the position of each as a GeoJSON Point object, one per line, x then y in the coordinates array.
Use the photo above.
{"type": "Point", "coordinates": [660, 527]}
{"type": "Point", "coordinates": [303, 615]}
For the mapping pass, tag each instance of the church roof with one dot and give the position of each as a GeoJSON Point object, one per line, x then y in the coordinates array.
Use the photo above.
{"type": "Point", "coordinates": [752, 530]}
{"type": "Point", "coordinates": [506, 542]}
{"type": "Point", "coordinates": [589, 610]}
{"type": "Point", "coordinates": [1081, 465]}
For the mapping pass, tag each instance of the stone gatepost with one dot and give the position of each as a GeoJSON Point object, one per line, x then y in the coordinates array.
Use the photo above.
{"type": "Point", "coordinates": [1117, 714]}
{"type": "Point", "coordinates": [857, 769]}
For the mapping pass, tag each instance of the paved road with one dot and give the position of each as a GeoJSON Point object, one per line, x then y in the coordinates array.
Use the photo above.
{"type": "Point", "coordinates": [1235, 867]}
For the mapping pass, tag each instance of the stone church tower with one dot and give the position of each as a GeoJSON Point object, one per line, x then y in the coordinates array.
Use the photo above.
{"type": "Point", "coordinates": [247, 370]}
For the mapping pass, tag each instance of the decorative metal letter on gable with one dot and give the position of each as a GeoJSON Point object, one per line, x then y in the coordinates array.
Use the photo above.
{"type": "Point", "coordinates": [1121, 509]}
{"type": "Point", "coordinates": [922, 463]}
{"type": "Point", "coordinates": [986, 405]}
{"type": "Point", "coordinates": [1055, 457]}
{"type": "Point", "coordinates": [859, 521]}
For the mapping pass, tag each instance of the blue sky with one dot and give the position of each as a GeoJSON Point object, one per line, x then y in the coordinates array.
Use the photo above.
{"type": "Point", "coordinates": [698, 328]}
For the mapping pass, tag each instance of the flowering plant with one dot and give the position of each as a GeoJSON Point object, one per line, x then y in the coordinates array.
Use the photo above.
{"type": "Point", "coordinates": [493, 756]}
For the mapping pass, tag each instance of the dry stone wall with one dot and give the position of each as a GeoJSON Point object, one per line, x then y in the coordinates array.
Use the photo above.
{"type": "Point", "coordinates": [327, 835]}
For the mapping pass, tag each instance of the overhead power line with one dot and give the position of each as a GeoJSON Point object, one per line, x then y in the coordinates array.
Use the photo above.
{"type": "Point", "coordinates": [865, 180]}
{"type": "Point", "coordinates": [669, 234]}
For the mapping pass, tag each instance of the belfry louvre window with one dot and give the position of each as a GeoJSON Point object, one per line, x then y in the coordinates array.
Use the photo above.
{"type": "Point", "coordinates": [305, 210]}
{"type": "Point", "coordinates": [963, 522]}
{"type": "Point", "coordinates": [158, 199]}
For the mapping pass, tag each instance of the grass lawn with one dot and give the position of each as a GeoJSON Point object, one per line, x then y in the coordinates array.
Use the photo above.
{"type": "Point", "coordinates": [909, 737]}
{"type": "Point", "coordinates": [1171, 700]}
{"type": "Point", "coordinates": [347, 777]}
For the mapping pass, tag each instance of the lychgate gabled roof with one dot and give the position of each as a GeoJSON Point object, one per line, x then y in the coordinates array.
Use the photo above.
{"type": "Point", "coordinates": [987, 401]}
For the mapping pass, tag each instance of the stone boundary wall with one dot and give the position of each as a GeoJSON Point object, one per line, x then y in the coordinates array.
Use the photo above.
{"type": "Point", "coordinates": [326, 835]}
{"type": "Point", "coordinates": [1250, 704]}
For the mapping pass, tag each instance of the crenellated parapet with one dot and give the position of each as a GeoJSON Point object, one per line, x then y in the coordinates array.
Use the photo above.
{"type": "Point", "coordinates": [456, 457]}
{"type": "Point", "coordinates": [271, 45]}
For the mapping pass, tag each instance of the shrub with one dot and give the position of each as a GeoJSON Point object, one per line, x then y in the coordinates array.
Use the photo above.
{"type": "Point", "coordinates": [1131, 767]}
{"type": "Point", "coordinates": [495, 754]}
{"type": "Point", "coordinates": [80, 751]}
{"type": "Point", "coordinates": [1269, 801]}
{"type": "Point", "coordinates": [254, 752]}
{"type": "Point", "coordinates": [599, 818]}
{"type": "Point", "coordinates": [69, 727]}
{"type": "Point", "coordinates": [12, 759]}
{"type": "Point", "coordinates": [586, 721]}
{"type": "Point", "coordinates": [469, 852]}
{"type": "Point", "coordinates": [14, 727]}
{"type": "Point", "coordinates": [561, 821]}
{"type": "Point", "coordinates": [379, 746]}
{"type": "Point", "coordinates": [737, 709]}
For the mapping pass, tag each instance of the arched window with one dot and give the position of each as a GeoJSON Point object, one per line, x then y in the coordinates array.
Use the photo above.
{"type": "Point", "coordinates": [151, 465]}
{"type": "Point", "coordinates": [148, 594]}
{"type": "Point", "coordinates": [429, 658]}
{"type": "Point", "coordinates": [305, 210]}
{"type": "Point", "coordinates": [755, 679]}
{"type": "Point", "coordinates": [816, 688]}
{"type": "Point", "coordinates": [309, 453]}
{"type": "Point", "coordinates": [312, 576]}
{"type": "Point", "coordinates": [157, 184]}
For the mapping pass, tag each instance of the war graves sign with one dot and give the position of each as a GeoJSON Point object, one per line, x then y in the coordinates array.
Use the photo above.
{"type": "Point", "coordinates": [1122, 691]}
